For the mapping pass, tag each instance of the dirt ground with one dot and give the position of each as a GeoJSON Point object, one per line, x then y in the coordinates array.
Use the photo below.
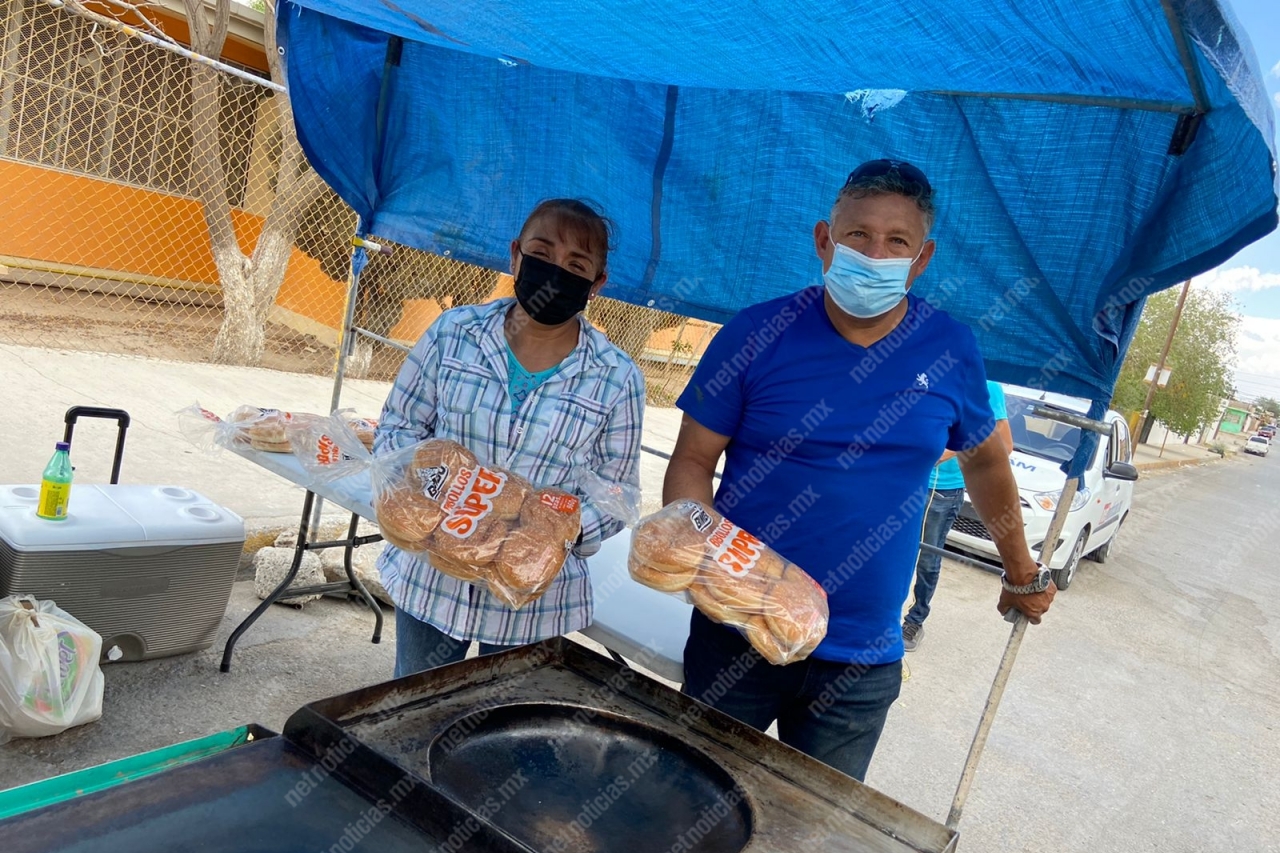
{"type": "Point", "coordinates": [32, 315]}
{"type": "Point", "coordinates": [68, 319]}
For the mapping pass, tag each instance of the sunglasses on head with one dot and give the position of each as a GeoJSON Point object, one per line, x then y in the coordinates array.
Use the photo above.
{"type": "Point", "coordinates": [910, 176]}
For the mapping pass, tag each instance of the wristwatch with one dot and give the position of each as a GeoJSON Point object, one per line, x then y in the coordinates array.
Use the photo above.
{"type": "Point", "coordinates": [1040, 584]}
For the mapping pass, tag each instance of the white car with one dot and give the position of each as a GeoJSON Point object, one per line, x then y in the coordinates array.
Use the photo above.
{"type": "Point", "coordinates": [1040, 447]}
{"type": "Point", "coordinates": [1258, 445]}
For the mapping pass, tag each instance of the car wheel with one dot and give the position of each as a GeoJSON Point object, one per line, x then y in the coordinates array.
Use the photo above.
{"type": "Point", "coordinates": [1107, 551]}
{"type": "Point", "coordinates": [1062, 577]}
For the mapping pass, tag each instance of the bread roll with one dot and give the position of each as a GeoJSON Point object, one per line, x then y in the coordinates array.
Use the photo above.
{"type": "Point", "coordinates": [739, 571]}
{"type": "Point", "coordinates": [406, 518]}
{"type": "Point", "coordinates": [435, 465]}
{"type": "Point", "coordinates": [508, 501]}
{"type": "Point", "coordinates": [796, 611]}
{"type": "Point", "coordinates": [365, 429]}
{"type": "Point", "coordinates": [673, 540]}
{"type": "Point", "coordinates": [536, 547]}
{"type": "Point", "coordinates": [473, 541]}
{"type": "Point", "coordinates": [270, 446]}
{"type": "Point", "coordinates": [461, 571]}
{"type": "Point", "coordinates": [675, 581]}
{"type": "Point", "coordinates": [764, 642]}
{"type": "Point", "coordinates": [560, 510]}
{"type": "Point", "coordinates": [715, 609]}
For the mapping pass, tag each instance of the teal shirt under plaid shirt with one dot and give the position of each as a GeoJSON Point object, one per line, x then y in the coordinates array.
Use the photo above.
{"type": "Point", "coordinates": [454, 385]}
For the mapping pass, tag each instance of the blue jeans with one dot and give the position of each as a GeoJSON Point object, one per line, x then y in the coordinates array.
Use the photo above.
{"type": "Point", "coordinates": [944, 507]}
{"type": "Point", "coordinates": [834, 712]}
{"type": "Point", "coordinates": [420, 646]}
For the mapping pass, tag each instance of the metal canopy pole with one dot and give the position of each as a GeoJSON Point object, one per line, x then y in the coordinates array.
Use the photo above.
{"type": "Point", "coordinates": [395, 46]}
{"type": "Point", "coordinates": [345, 345]}
{"type": "Point", "coordinates": [119, 26]}
{"type": "Point", "coordinates": [1019, 621]}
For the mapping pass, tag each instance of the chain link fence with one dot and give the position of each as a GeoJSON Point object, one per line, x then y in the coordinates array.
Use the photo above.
{"type": "Point", "coordinates": [105, 233]}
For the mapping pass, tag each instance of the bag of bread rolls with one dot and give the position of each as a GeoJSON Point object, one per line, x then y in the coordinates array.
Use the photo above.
{"type": "Point", "coordinates": [474, 522]}
{"type": "Point", "coordinates": [731, 576]}
{"type": "Point", "coordinates": [362, 428]}
{"type": "Point", "coordinates": [330, 448]}
{"type": "Point", "coordinates": [262, 429]}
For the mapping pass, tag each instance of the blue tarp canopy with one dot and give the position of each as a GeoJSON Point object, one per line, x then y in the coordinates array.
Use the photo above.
{"type": "Point", "coordinates": [1085, 154]}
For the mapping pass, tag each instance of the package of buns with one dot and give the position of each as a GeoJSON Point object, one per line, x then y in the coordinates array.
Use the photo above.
{"type": "Point", "coordinates": [688, 548]}
{"type": "Point", "coordinates": [474, 522]}
{"type": "Point", "coordinates": [332, 448]}
{"type": "Point", "coordinates": [261, 429]}
{"type": "Point", "coordinates": [363, 429]}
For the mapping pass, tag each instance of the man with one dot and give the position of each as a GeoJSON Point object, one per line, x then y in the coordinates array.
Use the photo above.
{"type": "Point", "coordinates": [831, 406]}
{"type": "Point", "coordinates": [946, 494]}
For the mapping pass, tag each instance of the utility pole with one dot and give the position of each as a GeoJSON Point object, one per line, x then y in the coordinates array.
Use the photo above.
{"type": "Point", "coordinates": [1164, 355]}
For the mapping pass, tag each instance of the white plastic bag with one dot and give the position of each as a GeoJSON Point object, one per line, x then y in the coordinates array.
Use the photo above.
{"type": "Point", "coordinates": [687, 548]}
{"type": "Point", "coordinates": [267, 430]}
{"type": "Point", "coordinates": [50, 679]}
{"type": "Point", "coordinates": [332, 448]}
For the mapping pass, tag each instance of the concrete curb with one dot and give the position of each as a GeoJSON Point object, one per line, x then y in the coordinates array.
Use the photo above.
{"type": "Point", "coordinates": [1170, 464]}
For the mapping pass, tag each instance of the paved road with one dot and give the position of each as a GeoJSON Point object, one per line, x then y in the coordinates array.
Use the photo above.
{"type": "Point", "coordinates": [1144, 714]}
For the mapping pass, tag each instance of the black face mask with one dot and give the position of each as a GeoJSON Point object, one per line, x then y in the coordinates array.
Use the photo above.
{"type": "Point", "coordinates": [550, 294]}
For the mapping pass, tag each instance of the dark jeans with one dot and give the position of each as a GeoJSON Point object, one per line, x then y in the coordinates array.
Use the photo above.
{"type": "Point", "coordinates": [944, 507]}
{"type": "Point", "coordinates": [832, 711]}
{"type": "Point", "coordinates": [420, 646]}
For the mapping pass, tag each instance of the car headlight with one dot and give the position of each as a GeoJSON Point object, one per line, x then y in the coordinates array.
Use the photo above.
{"type": "Point", "coordinates": [1048, 501]}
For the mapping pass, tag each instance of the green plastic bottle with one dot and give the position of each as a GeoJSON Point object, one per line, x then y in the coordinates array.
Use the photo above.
{"type": "Point", "coordinates": [55, 486]}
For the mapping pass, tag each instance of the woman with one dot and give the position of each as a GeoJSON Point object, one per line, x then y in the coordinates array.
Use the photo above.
{"type": "Point", "coordinates": [528, 385]}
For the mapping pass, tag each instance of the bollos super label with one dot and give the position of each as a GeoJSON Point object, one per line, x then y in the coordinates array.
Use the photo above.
{"type": "Point", "coordinates": [470, 499]}
{"type": "Point", "coordinates": [328, 452]}
{"type": "Point", "coordinates": [734, 549]}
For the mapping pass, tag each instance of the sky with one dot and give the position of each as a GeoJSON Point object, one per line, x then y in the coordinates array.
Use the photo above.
{"type": "Point", "coordinates": [1253, 275]}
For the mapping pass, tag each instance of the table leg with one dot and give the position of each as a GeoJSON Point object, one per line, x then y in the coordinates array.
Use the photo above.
{"type": "Point", "coordinates": [355, 581]}
{"type": "Point", "coordinates": [298, 551]}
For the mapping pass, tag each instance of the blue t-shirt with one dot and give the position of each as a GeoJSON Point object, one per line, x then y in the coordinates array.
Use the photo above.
{"type": "Point", "coordinates": [520, 382]}
{"type": "Point", "coordinates": [831, 445]}
{"type": "Point", "coordinates": [947, 475]}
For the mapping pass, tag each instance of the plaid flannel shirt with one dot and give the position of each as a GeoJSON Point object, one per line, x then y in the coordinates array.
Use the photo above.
{"type": "Point", "coordinates": [454, 385]}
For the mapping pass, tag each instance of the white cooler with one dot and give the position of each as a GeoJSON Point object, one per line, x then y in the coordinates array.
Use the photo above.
{"type": "Point", "coordinates": [149, 568]}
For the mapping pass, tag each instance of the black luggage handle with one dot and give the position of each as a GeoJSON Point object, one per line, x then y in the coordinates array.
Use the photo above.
{"type": "Point", "coordinates": [120, 416]}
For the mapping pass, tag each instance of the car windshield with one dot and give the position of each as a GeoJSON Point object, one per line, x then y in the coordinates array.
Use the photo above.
{"type": "Point", "coordinates": [1040, 436]}
{"type": "Point", "coordinates": [1257, 440]}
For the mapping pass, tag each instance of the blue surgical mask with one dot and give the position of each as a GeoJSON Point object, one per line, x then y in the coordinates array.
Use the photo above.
{"type": "Point", "coordinates": [866, 287]}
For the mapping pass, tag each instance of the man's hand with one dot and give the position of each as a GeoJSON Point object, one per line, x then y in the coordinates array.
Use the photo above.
{"type": "Point", "coordinates": [994, 493]}
{"type": "Point", "coordinates": [1033, 606]}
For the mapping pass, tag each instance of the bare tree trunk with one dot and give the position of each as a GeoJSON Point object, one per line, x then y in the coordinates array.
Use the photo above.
{"type": "Point", "coordinates": [360, 362]}
{"type": "Point", "coordinates": [249, 284]}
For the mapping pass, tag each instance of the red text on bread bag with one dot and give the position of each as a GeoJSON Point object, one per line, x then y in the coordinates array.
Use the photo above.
{"type": "Point", "coordinates": [470, 499]}
{"type": "Point", "coordinates": [327, 451]}
{"type": "Point", "coordinates": [560, 502]}
{"type": "Point", "coordinates": [734, 549]}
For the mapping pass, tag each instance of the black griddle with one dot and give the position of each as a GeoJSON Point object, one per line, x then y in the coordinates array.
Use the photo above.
{"type": "Point", "coordinates": [760, 794]}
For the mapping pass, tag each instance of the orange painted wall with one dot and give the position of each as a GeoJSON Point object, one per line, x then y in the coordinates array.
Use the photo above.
{"type": "Point", "coordinates": [59, 218]}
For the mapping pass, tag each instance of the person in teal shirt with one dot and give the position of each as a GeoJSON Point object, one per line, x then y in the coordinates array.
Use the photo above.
{"type": "Point", "coordinates": [945, 498]}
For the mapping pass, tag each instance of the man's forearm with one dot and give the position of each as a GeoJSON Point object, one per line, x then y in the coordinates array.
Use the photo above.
{"type": "Point", "coordinates": [687, 479]}
{"type": "Point", "coordinates": [994, 494]}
